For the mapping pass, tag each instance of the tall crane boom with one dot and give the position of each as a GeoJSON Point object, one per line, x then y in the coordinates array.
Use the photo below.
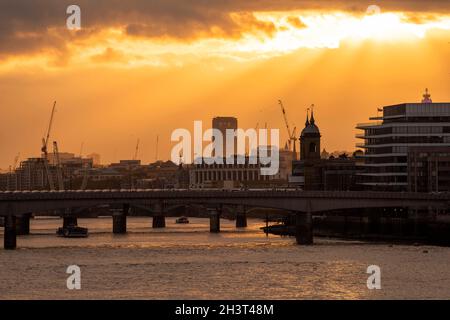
{"type": "Point", "coordinates": [157, 146]}
{"type": "Point", "coordinates": [84, 182]}
{"type": "Point", "coordinates": [136, 150]}
{"type": "Point", "coordinates": [47, 136]}
{"type": "Point", "coordinates": [45, 150]}
{"type": "Point", "coordinates": [58, 166]}
{"type": "Point", "coordinates": [294, 139]}
{"type": "Point", "coordinates": [291, 133]}
{"type": "Point", "coordinates": [16, 160]}
{"type": "Point", "coordinates": [285, 118]}
{"type": "Point", "coordinates": [81, 149]}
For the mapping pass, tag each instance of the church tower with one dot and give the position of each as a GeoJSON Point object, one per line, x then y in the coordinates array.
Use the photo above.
{"type": "Point", "coordinates": [310, 139]}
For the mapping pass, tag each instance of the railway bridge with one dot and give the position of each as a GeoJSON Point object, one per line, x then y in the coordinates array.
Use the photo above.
{"type": "Point", "coordinates": [17, 206]}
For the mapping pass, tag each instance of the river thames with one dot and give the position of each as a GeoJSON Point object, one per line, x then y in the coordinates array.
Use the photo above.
{"type": "Point", "coordinates": [187, 262]}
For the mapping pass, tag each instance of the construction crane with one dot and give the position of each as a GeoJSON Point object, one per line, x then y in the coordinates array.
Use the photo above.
{"type": "Point", "coordinates": [58, 166]}
{"type": "Point", "coordinates": [13, 167]}
{"type": "Point", "coordinates": [45, 150]}
{"type": "Point", "coordinates": [294, 137]}
{"type": "Point", "coordinates": [84, 182]}
{"type": "Point", "coordinates": [16, 160]}
{"type": "Point", "coordinates": [81, 149]}
{"type": "Point", "coordinates": [291, 134]}
{"type": "Point", "coordinates": [85, 177]}
{"type": "Point", "coordinates": [136, 150]}
{"type": "Point", "coordinates": [180, 155]}
{"type": "Point", "coordinates": [157, 145]}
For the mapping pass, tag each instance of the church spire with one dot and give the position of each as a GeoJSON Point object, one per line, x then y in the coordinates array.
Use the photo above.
{"type": "Point", "coordinates": [307, 118]}
{"type": "Point", "coordinates": [312, 121]}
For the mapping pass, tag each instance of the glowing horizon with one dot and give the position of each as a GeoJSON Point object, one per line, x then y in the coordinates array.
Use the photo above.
{"type": "Point", "coordinates": [136, 74]}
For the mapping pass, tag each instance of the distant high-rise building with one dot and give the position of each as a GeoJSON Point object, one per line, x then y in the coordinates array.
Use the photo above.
{"type": "Point", "coordinates": [30, 175]}
{"type": "Point", "coordinates": [126, 164]}
{"type": "Point", "coordinates": [404, 131]}
{"type": "Point", "coordinates": [222, 124]}
{"type": "Point", "coordinates": [95, 158]}
{"type": "Point", "coordinates": [63, 157]}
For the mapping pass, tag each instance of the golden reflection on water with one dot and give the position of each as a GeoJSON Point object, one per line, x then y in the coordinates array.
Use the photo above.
{"type": "Point", "coordinates": [187, 262]}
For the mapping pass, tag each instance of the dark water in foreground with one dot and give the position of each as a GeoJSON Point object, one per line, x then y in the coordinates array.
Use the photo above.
{"type": "Point", "coordinates": [187, 262]}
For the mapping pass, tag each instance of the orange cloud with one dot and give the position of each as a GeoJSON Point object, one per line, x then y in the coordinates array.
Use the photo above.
{"type": "Point", "coordinates": [32, 26]}
{"type": "Point", "coordinates": [109, 55]}
{"type": "Point", "coordinates": [296, 22]}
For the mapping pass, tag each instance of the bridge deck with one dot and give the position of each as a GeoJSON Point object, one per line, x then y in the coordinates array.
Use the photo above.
{"type": "Point", "coordinates": [18, 202]}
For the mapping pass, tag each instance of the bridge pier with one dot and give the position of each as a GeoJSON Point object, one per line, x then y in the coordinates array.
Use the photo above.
{"type": "Point", "coordinates": [304, 228]}
{"type": "Point", "coordinates": [159, 220]}
{"type": "Point", "coordinates": [374, 221]}
{"type": "Point", "coordinates": [70, 221]}
{"type": "Point", "coordinates": [10, 235]}
{"type": "Point", "coordinates": [419, 219]}
{"type": "Point", "coordinates": [214, 221]}
{"type": "Point", "coordinates": [241, 217]}
{"type": "Point", "coordinates": [120, 220]}
{"type": "Point", "coordinates": [23, 224]}
{"type": "Point", "coordinates": [119, 223]}
{"type": "Point", "coordinates": [241, 220]}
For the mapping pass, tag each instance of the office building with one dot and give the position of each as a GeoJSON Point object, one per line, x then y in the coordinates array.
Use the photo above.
{"type": "Point", "coordinates": [429, 169]}
{"type": "Point", "coordinates": [223, 124]}
{"type": "Point", "coordinates": [400, 133]}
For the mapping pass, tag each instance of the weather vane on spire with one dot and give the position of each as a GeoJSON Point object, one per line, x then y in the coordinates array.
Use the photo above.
{"type": "Point", "coordinates": [427, 97]}
{"type": "Point", "coordinates": [307, 117]}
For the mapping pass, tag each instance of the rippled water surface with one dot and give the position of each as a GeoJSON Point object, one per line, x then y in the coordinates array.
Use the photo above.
{"type": "Point", "coordinates": [187, 262]}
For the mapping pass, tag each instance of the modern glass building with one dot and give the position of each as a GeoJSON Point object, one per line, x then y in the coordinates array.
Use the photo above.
{"type": "Point", "coordinates": [389, 138]}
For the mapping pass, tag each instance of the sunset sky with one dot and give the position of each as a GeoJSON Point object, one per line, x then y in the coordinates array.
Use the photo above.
{"type": "Point", "coordinates": [142, 68]}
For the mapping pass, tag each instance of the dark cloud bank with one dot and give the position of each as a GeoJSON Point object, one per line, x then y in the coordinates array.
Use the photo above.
{"type": "Point", "coordinates": [32, 25]}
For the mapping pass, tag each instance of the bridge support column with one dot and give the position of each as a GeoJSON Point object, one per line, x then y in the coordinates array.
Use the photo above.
{"type": "Point", "coordinates": [374, 220]}
{"type": "Point", "coordinates": [120, 220]}
{"type": "Point", "coordinates": [159, 220]}
{"type": "Point", "coordinates": [241, 217]}
{"type": "Point", "coordinates": [214, 221]}
{"type": "Point", "coordinates": [23, 224]}
{"type": "Point", "coordinates": [413, 222]}
{"type": "Point", "coordinates": [70, 221]}
{"type": "Point", "coordinates": [304, 228]}
{"type": "Point", "coordinates": [10, 236]}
